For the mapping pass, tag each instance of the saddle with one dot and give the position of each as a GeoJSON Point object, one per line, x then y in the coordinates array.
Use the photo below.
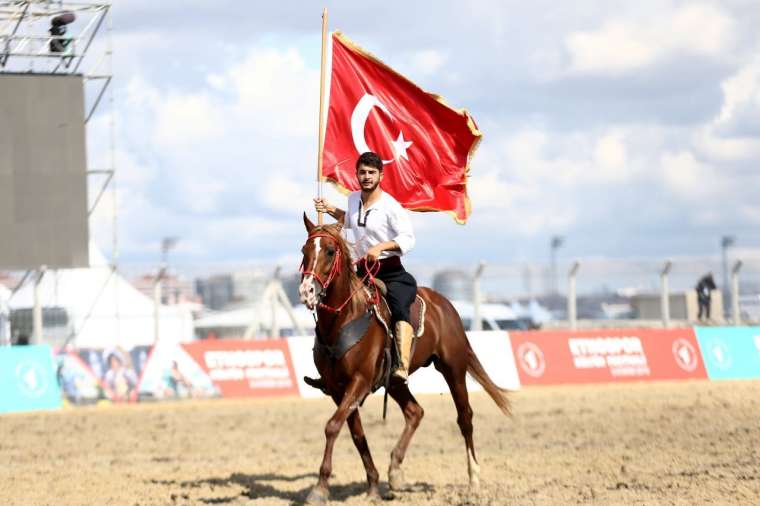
{"type": "Point", "coordinates": [416, 311]}
{"type": "Point", "coordinates": [352, 332]}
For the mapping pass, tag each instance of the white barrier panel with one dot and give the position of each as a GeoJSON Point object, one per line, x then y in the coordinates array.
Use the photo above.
{"type": "Point", "coordinates": [493, 349]}
{"type": "Point", "coordinates": [303, 362]}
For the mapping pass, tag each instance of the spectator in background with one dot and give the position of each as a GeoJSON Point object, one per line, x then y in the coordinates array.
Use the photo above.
{"type": "Point", "coordinates": [705, 286]}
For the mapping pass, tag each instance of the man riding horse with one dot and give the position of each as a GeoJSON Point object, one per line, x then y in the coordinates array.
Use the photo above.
{"type": "Point", "coordinates": [382, 233]}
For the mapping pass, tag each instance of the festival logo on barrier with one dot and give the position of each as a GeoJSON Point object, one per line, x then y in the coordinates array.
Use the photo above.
{"type": "Point", "coordinates": [27, 379]}
{"type": "Point", "coordinates": [552, 357]}
{"type": "Point", "coordinates": [246, 368]}
{"type": "Point", "coordinates": [32, 378]}
{"type": "Point", "coordinates": [685, 355]}
{"type": "Point", "coordinates": [531, 359]}
{"type": "Point", "coordinates": [730, 352]}
{"type": "Point", "coordinates": [721, 355]}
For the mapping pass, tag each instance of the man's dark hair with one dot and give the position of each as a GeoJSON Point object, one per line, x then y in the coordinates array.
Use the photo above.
{"type": "Point", "coordinates": [370, 159]}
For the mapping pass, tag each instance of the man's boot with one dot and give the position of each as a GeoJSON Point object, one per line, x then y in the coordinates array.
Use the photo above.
{"type": "Point", "coordinates": [404, 336]}
{"type": "Point", "coordinates": [317, 383]}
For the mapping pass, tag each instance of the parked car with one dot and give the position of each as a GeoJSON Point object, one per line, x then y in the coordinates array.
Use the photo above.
{"type": "Point", "coordinates": [492, 316]}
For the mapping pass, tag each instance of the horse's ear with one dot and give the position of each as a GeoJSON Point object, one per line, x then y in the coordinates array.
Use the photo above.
{"type": "Point", "coordinates": [307, 222]}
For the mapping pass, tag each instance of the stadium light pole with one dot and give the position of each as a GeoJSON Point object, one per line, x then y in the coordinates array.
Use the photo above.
{"type": "Point", "coordinates": [572, 308]}
{"type": "Point", "coordinates": [555, 243]}
{"type": "Point", "coordinates": [167, 243]}
{"type": "Point", "coordinates": [735, 310]}
{"type": "Point", "coordinates": [477, 322]}
{"type": "Point", "coordinates": [665, 294]}
{"type": "Point", "coordinates": [726, 242]}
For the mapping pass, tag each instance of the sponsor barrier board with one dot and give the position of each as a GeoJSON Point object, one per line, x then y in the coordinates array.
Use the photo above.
{"type": "Point", "coordinates": [730, 352]}
{"type": "Point", "coordinates": [495, 356]}
{"type": "Point", "coordinates": [27, 379]}
{"type": "Point", "coordinates": [240, 368]}
{"type": "Point", "coordinates": [493, 352]}
{"type": "Point", "coordinates": [606, 355]}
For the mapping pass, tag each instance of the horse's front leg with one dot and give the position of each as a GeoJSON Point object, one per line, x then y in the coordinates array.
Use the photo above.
{"type": "Point", "coordinates": [356, 390]}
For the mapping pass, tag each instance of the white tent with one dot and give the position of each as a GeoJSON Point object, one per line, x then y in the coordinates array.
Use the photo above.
{"type": "Point", "coordinates": [104, 309]}
{"type": "Point", "coordinates": [5, 329]}
{"type": "Point", "coordinates": [256, 321]}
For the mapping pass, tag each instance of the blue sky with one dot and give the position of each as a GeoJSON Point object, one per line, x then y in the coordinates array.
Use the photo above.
{"type": "Point", "coordinates": [630, 128]}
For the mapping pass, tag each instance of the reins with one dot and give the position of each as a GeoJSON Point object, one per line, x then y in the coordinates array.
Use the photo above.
{"type": "Point", "coordinates": [370, 273]}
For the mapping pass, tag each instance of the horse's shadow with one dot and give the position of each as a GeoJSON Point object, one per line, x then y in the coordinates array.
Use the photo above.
{"type": "Point", "coordinates": [258, 486]}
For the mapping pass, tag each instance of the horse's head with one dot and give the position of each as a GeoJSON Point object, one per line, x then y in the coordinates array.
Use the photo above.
{"type": "Point", "coordinates": [323, 259]}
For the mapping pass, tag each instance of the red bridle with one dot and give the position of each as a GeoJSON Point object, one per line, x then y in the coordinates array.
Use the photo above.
{"type": "Point", "coordinates": [335, 269]}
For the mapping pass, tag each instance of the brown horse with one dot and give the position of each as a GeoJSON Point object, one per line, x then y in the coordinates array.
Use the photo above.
{"type": "Point", "coordinates": [330, 284]}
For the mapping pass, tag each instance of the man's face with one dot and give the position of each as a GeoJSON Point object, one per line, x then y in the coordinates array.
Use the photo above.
{"type": "Point", "coordinates": [368, 177]}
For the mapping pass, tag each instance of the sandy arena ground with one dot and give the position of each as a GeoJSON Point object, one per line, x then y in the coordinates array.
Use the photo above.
{"type": "Point", "coordinates": [663, 443]}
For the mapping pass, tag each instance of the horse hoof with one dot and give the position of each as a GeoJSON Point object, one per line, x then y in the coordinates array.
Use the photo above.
{"type": "Point", "coordinates": [317, 496]}
{"type": "Point", "coordinates": [475, 486]}
{"type": "Point", "coordinates": [373, 495]}
{"type": "Point", "coordinates": [396, 479]}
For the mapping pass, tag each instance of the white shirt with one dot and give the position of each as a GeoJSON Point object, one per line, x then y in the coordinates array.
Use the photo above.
{"type": "Point", "coordinates": [384, 220]}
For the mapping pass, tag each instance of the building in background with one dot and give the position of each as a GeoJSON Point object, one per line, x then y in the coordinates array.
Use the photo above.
{"type": "Point", "coordinates": [175, 289]}
{"type": "Point", "coordinates": [453, 284]}
{"type": "Point", "coordinates": [216, 292]}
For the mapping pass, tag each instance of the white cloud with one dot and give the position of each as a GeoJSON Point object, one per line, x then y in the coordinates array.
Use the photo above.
{"type": "Point", "coordinates": [623, 44]}
{"type": "Point", "coordinates": [689, 178]}
{"type": "Point", "coordinates": [734, 134]}
{"type": "Point", "coordinates": [741, 103]}
{"type": "Point", "coordinates": [610, 158]}
{"type": "Point", "coordinates": [276, 92]}
{"type": "Point", "coordinates": [428, 61]}
{"type": "Point", "coordinates": [183, 120]}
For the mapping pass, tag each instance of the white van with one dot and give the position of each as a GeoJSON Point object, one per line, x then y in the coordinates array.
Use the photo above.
{"type": "Point", "coordinates": [492, 316]}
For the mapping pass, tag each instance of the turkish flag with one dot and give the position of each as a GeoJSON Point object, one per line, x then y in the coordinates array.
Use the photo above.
{"type": "Point", "coordinates": [425, 145]}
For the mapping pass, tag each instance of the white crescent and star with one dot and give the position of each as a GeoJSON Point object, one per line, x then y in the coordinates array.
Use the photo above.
{"type": "Point", "coordinates": [359, 120]}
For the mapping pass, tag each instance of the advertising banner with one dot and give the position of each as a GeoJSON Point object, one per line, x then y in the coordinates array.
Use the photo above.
{"type": "Point", "coordinates": [240, 368]}
{"type": "Point", "coordinates": [27, 379]}
{"type": "Point", "coordinates": [730, 352]}
{"type": "Point", "coordinates": [606, 355]}
{"type": "Point", "coordinates": [494, 354]}
{"type": "Point", "coordinates": [171, 373]}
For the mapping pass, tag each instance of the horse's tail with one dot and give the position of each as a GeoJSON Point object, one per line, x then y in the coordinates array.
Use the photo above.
{"type": "Point", "coordinates": [498, 394]}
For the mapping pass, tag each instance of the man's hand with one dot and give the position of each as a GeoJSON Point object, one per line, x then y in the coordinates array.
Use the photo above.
{"type": "Point", "coordinates": [323, 206]}
{"type": "Point", "coordinates": [373, 254]}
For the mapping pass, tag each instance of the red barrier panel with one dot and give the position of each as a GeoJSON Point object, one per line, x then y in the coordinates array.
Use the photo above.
{"type": "Point", "coordinates": [605, 355]}
{"type": "Point", "coordinates": [246, 368]}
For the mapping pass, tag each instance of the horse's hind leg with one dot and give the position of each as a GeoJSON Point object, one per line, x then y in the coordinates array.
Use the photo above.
{"type": "Point", "coordinates": [360, 441]}
{"type": "Point", "coordinates": [456, 379]}
{"type": "Point", "coordinates": [413, 414]}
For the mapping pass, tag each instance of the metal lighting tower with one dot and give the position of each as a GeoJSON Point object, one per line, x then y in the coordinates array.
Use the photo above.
{"type": "Point", "coordinates": [46, 41]}
{"type": "Point", "coordinates": [555, 243]}
{"type": "Point", "coordinates": [167, 243]}
{"type": "Point", "coordinates": [726, 242]}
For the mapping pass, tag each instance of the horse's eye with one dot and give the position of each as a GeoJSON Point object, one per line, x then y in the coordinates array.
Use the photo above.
{"type": "Point", "coordinates": [330, 252]}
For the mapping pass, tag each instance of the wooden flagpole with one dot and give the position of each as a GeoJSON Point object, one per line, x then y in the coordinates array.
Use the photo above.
{"type": "Point", "coordinates": [321, 137]}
